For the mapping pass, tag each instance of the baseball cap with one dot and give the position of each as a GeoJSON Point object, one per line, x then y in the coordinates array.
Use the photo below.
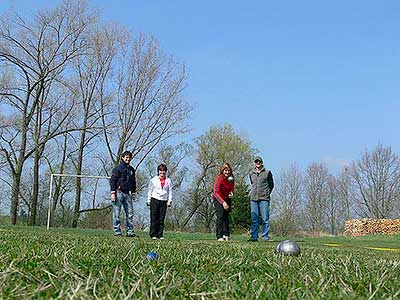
{"type": "Point", "coordinates": [258, 158]}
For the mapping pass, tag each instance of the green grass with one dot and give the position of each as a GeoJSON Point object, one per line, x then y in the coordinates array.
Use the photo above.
{"type": "Point", "coordinates": [91, 264]}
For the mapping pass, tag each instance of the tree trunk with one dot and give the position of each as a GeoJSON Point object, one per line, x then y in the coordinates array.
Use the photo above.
{"type": "Point", "coordinates": [17, 176]}
{"type": "Point", "coordinates": [35, 192]}
{"type": "Point", "coordinates": [38, 154]}
{"type": "Point", "coordinates": [78, 179]}
{"type": "Point", "coordinates": [15, 197]}
{"type": "Point", "coordinates": [58, 181]}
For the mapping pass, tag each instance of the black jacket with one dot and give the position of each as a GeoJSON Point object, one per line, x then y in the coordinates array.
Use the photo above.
{"type": "Point", "coordinates": [123, 178]}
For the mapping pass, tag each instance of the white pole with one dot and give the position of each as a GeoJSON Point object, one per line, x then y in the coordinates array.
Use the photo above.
{"type": "Point", "coordinates": [49, 210]}
{"type": "Point", "coordinates": [51, 190]}
{"type": "Point", "coordinates": [86, 176]}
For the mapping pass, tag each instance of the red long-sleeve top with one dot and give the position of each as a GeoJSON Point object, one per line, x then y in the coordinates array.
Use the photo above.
{"type": "Point", "coordinates": [222, 188]}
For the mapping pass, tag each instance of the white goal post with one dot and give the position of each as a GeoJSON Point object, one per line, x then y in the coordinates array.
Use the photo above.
{"type": "Point", "coordinates": [51, 189]}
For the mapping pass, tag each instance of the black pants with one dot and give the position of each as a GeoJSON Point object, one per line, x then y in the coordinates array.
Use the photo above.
{"type": "Point", "coordinates": [157, 216]}
{"type": "Point", "coordinates": [222, 223]}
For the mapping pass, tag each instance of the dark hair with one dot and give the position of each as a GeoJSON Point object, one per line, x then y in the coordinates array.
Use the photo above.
{"type": "Point", "coordinates": [225, 166]}
{"type": "Point", "coordinates": [126, 153]}
{"type": "Point", "coordinates": [162, 167]}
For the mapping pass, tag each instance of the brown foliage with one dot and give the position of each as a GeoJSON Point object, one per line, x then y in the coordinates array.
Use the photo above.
{"type": "Point", "coordinates": [359, 227]}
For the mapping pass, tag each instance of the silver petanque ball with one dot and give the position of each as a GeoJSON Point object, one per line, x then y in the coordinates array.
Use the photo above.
{"type": "Point", "coordinates": [231, 179]}
{"type": "Point", "coordinates": [288, 248]}
{"type": "Point", "coordinates": [278, 248]}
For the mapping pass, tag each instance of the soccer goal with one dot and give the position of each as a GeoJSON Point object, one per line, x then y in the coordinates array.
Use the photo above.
{"type": "Point", "coordinates": [93, 191]}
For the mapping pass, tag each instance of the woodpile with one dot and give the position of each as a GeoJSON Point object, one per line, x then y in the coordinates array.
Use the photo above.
{"type": "Point", "coordinates": [359, 227]}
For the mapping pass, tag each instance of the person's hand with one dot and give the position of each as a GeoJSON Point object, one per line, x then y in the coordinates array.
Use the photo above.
{"type": "Point", "coordinates": [225, 205]}
{"type": "Point", "coordinates": [148, 202]}
{"type": "Point", "coordinates": [133, 196]}
{"type": "Point", "coordinates": [230, 194]}
{"type": "Point", "coordinates": [169, 203]}
{"type": "Point", "coordinates": [112, 197]}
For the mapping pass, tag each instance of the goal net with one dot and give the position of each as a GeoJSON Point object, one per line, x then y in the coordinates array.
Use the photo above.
{"type": "Point", "coordinates": [94, 197]}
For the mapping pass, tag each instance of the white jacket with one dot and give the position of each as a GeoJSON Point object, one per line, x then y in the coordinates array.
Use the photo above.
{"type": "Point", "coordinates": [159, 193]}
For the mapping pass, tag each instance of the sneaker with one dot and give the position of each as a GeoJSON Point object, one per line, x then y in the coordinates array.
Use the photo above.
{"type": "Point", "coordinates": [117, 234]}
{"type": "Point", "coordinates": [131, 235]}
{"type": "Point", "coordinates": [220, 240]}
{"type": "Point", "coordinates": [153, 238]}
{"type": "Point", "coordinates": [161, 238]}
{"type": "Point", "coordinates": [251, 240]}
{"type": "Point", "coordinates": [226, 237]}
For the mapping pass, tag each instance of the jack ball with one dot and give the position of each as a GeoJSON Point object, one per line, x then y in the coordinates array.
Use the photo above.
{"type": "Point", "coordinates": [152, 256]}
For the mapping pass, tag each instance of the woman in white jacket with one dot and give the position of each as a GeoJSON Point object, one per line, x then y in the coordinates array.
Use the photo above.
{"type": "Point", "coordinates": [159, 197]}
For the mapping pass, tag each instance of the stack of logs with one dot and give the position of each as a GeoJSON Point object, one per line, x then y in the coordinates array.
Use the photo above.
{"type": "Point", "coordinates": [358, 227]}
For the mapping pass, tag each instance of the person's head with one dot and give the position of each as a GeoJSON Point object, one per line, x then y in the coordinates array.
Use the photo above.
{"type": "Point", "coordinates": [258, 162]}
{"type": "Point", "coordinates": [226, 170]}
{"type": "Point", "coordinates": [162, 170]}
{"type": "Point", "coordinates": [126, 157]}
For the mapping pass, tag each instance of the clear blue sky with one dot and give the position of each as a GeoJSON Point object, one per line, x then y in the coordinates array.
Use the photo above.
{"type": "Point", "coordinates": [304, 80]}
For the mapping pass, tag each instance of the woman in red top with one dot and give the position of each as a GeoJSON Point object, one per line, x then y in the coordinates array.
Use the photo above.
{"type": "Point", "coordinates": [223, 191]}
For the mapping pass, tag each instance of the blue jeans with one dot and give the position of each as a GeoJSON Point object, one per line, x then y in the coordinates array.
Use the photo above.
{"type": "Point", "coordinates": [124, 200]}
{"type": "Point", "coordinates": [259, 207]}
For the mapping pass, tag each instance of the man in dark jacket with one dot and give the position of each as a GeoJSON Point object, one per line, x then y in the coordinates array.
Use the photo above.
{"type": "Point", "coordinates": [123, 192]}
{"type": "Point", "coordinates": [262, 184]}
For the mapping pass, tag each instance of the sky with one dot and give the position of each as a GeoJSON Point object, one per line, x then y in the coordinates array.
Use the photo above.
{"type": "Point", "coordinates": [305, 81]}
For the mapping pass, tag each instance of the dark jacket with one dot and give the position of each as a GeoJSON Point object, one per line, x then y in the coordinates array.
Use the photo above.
{"type": "Point", "coordinates": [262, 185]}
{"type": "Point", "coordinates": [123, 178]}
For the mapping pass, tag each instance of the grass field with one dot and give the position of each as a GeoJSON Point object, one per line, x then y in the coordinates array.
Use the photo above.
{"type": "Point", "coordinates": [92, 264]}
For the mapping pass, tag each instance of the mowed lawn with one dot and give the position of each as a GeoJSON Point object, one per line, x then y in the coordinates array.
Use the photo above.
{"type": "Point", "coordinates": [92, 264]}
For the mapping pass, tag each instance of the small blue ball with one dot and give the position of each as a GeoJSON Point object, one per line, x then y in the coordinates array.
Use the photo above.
{"type": "Point", "coordinates": [152, 256]}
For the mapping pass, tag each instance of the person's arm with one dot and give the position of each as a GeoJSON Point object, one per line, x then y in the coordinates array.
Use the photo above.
{"type": "Point", "coordinates": [114, 182]}
{"type": "Point", "coordinates": [169, 203]}
{"type": "Point", "coordinates": [270, 181]}
{"type": "Point", "coordinates": [217, 190]}
{"type": "Point", "coordinates": [232, 190]}
{"type": "Point", "coordinates": [149, 192]}
{"type": "Point", "coordinates": [133, 188]}
{"type": "Point", "coordinates": [251, 185]}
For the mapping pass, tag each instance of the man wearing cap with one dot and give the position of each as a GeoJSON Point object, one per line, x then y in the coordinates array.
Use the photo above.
{"type": "Point", "coordinates": [262, 184]}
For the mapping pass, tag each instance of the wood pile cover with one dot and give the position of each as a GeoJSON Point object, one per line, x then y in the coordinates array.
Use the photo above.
{"type": "Point", "coordinates": [358, 227]}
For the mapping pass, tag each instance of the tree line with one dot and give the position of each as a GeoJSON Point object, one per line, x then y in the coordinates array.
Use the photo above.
{"type": "Point", "coordinates": [76, 92]}
{"type": "Point", "coordinates": [313, 199]}
{"type": "Point", "coordinates": [316, 200]}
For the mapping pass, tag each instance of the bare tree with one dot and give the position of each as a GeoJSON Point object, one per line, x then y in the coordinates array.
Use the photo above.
{"type": "Point", "coordinates": [288, 200]}
{"type": "Point", "coordinates": [344, 192]}
{"type": "Point", "coordinates": [148, 102]}
{"type": "Point", "coordinates": [316, 195]}
{"type": "Point", "coordinates": [33, 53]}
{"type": "Point", "coordinates": [172, 156]}
{"type": "Point", "coordinates": [335, 210]}
{"type": "Point", "coordinates": [376, 180]}
{"type": "Point", "coordinates": [58, 160]}
{"type": "Point", "coordinates": [92, 70]}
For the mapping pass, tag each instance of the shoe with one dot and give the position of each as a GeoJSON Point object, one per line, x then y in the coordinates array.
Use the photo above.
{"type": "Point", "coordinates": [161, 238]}
{"type": "Point", "coordinates": [226, 237]}
{"type": "Point", "coordinates": [153, 238]}
{"type": "Point", "coordinates": [117, 234]}
{"type": "Point", "coordinates": [220, 240]}
{"type": "Point", "coordinates": [251, 240]}
{"type": "Point", "coordinates": [132, 235]}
